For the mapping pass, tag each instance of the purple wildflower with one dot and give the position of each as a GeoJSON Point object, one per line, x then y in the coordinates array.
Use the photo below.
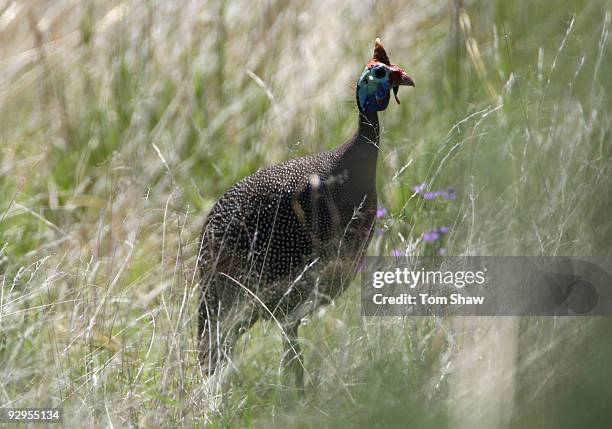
{"type": "Point", "coordinates": [441, 251]}
{"type": "Point", "coordinates": [443, 230]}
{"type": "Point", "coordinates": [450, 194]}
{"type": "Point", "coordinates": [430, 236]}
{"type": "Point", "coordinates": [419, 188]}
{"type": "Point", "coordinates": [396, 253]}
{"type": "Point", "coordinates": [381, 212]}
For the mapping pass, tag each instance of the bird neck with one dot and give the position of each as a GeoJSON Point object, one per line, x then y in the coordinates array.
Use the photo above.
{"type": "Point", "coordinates": [368, 131]}
{"type": "Point", "coordinates": [359, 156]}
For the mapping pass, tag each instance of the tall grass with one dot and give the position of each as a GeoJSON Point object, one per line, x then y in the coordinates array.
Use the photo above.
{"type": "Point", "coordinates": [122, 122]}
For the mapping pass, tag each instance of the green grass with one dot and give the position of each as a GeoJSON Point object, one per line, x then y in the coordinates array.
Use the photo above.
{"type": "Point", "coordinates": [121, 123]}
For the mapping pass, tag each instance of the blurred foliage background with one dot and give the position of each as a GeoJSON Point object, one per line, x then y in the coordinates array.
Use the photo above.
{"type": "Point", "coordinates": [121, 122]}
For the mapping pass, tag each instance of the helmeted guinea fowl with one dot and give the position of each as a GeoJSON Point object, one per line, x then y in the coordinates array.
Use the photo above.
{"type": "Point", "coordinates": [289, 238]}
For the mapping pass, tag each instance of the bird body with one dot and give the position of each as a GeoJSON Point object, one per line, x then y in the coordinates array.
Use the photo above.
{"type": "Point", "coordinates": [272, 224]}
{"type": "Point", "coordinates": [290, 237]}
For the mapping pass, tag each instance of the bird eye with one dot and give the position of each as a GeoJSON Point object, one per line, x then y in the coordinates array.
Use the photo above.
{"type": "Point", "coordinates": [379, 73]}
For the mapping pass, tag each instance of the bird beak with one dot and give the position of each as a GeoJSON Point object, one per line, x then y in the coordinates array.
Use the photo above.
{"type": "Point", "coordinates": [404, 80]}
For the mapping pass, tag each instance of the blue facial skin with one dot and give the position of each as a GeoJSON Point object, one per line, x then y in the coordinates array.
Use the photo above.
{"type": "Point", "coordinates": [370, 88]}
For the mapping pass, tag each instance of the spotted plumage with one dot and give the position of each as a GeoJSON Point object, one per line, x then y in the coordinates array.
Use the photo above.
{"type": "Point", "coordinates": [289, 238]}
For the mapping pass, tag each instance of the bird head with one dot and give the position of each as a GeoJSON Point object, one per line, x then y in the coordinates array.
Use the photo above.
{"type": "Point", "coordinates": [378, 79]}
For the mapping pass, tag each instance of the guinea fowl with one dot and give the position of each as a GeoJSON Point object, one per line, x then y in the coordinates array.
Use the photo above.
{"type": "Point", "coordinates": [289, 238]}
